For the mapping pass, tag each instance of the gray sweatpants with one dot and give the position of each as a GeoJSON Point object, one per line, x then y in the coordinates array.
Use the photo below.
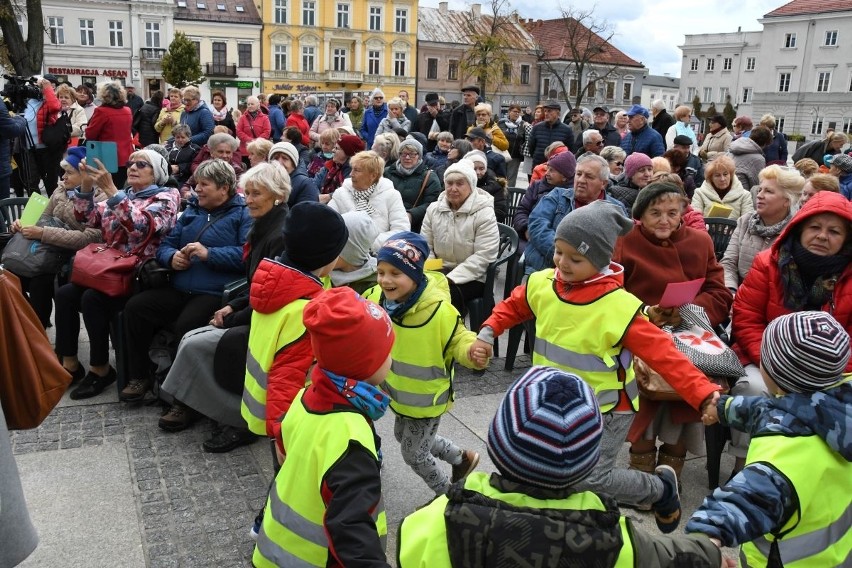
{"type": "Point", "coordinates": [624, 485]}
{"type": "Point", "coordinates": [421, 444]}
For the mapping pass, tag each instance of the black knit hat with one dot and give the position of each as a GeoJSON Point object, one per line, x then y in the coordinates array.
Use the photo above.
{"type": "Point", "coordinates": [314, 235]}
{"type": "Point", "coordinates": [721, 120]}
{"type": "Point", "coordinates": [649, 193]}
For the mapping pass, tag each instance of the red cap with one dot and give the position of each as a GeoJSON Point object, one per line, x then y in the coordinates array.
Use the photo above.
{"type": "Point", "coordinates": [350, 335]}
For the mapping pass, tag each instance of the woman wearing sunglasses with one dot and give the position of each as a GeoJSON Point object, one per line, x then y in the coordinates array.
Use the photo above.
{"type": "Point", "coordinates": [125, 219]}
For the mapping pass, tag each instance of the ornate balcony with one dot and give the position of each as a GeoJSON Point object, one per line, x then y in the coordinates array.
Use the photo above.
{"type": "Point", "coordinates": [151, 58]}
{"type": "Point", "coordinates": [220, 70]}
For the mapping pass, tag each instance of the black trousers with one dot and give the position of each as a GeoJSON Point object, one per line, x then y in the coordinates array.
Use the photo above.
{"type": "Point", "coordinates": [460, 294]}
{"type": "Point", "coordinates": [148, 312]}
{"type": "Point", "coordinates": [42, 165]}
{"type": "Point", "coordinates": [39, 290]}
{"type": "Point", "coordinates": [98, 310]}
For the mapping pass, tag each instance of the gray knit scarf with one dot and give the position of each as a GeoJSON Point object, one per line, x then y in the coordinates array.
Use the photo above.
{"type": "Point", "coordinates": [756, 226]}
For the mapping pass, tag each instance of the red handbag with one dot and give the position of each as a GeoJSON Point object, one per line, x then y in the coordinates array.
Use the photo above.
{"type": "Point", "coordinates": [106, 269]}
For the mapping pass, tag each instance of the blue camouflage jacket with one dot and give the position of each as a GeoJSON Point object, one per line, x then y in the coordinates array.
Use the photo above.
{"type": "Point", "coordinates": [760, 499]}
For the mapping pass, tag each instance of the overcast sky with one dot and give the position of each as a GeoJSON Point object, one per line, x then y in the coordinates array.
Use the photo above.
{"type": "Point", "coordinates": [650, 30]}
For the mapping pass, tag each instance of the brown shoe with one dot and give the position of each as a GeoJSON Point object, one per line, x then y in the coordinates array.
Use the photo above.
{"type": "Point", "coordinates": [135, 390]}
{"type": "Point", "coordinates": [179, 417]}
{"type": "Point", "coordinates": [470, 460]}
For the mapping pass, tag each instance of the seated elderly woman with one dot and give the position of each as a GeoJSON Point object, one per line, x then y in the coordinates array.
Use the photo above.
{"type": "Point", "coordinates": [438, 157]}
{"type": "Point", "coordinates": [461, 230]}
{"type": "Point", "coordinates": [414, 180]}
{"type": "Point", "coordinates": [485, 120]}
{"type": "Point", "coordinates": [458, 150]}
{"type": "Point", "coordinates": [74, 236]}
{"type": "Point", "coordinates": [816, 183]}
{"type": "Point", "coordinates": [205, 251]}
{"type": "Point", "coordinates": [367, 190]}
{"type": "Point", "coordinates": [638, 169]}
{"type": "Point", "coordinates": [302, 186]}
{"type": "Point", "coordinates": [387, 146]}
{"type": "Point", "coordinates": [220, 145]}
{"type": "Point", "coordinates": [332, 118]}
{"type": "Point", "coordinates": [721, 187]}
{"type": "Point", "coordinates": [487, 180]}
{"type": "Point", "coordinates": [806, 268]}
{"type": "Point", "coordinates": [658, 251]}
{"type": "Point", "coordinates": [207, 376]}
{"type": "Point", "coordinates": [591, 175]}
{"type": "Point", "coordinates": [181, 153]}
{"type": "Point", "coordinates": [337, 169]}
{"type": "Point", "coordinates": [777, 200]}
{"type": "Point", "coordinates": [143, 213]}
{"type": "Point", "coordinates": [615, 157]}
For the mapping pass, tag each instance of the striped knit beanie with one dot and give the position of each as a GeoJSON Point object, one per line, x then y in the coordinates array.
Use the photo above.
{"type": "Point", "coordinates": [547, 430]}
{"type": "Point", "coordinates": [804, 352]}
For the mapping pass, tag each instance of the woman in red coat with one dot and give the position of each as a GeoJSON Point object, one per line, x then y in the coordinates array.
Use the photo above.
{"type": "Point", "coordinates": [806, 268]}
{"type": "Point", "coordinates": [659, 250]}
{"type": "Point", "coordinates": [253, 124]}
{"type": "Point", "coordinates": [297, 118]}
{"type": "Point", "coordinates": [112, 122]}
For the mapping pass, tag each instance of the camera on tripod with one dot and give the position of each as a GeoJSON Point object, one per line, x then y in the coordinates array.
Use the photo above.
{"type": "Point", "coordinates": [19, 90]}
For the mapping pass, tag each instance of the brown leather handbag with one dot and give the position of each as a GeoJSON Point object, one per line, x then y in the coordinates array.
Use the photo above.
{"type": "Point", "coordinates": [32, 380]}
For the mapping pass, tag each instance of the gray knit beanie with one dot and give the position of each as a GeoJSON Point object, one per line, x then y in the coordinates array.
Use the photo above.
{"type": "Point", "coordinates": [593, 229]}
{"type": "Point", "coordinates": [411, 144]}
{"type": "Point", "coordinates": [287, 149]}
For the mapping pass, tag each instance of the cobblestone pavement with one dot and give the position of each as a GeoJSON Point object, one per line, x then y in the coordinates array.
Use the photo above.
{"type": "Point", "coordinates": [195, 508]}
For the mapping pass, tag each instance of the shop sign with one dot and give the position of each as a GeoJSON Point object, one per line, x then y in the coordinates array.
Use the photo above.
{"type": "Point", "coordinates": [88, 72]}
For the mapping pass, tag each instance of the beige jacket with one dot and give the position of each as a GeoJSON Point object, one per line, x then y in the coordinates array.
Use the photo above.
{"type": "Point", "coordinates": [467, 240]}
{"type": "Point", "coordinates": [77, 235]}
{"type": "Point", "coordinates": [715, 144]}
{"type": "Point", "coordinates": [742, 248]}
{"type": "Point", "coordinates": [737, 198]}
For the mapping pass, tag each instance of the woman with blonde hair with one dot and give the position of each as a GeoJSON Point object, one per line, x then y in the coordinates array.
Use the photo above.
{"type": "Point", "coordinates": [169, 115]}
{"type": "Point", "coordinates": [721, 187]}
{"type": "Point", "coordinates": [621, 123]}
{"type": "Point", "coordinates": [681, 127]}
{"type": "Point", "coordinates": [777, 201]}
{"type": "Point", "coordinates": [112, 122]}
{"type": "Point", "coordinates": [387, 146]}
{"type": "Point", "coordinates": [485, 120]}
{"type": "Point", "coordinates": [807, 167]}
{"type": "Point", "coordinates": [395, 118]}
{"type": "Point", "coordinates": [817, 183]}
{"type": "Point", "coordinates": [819, 149]}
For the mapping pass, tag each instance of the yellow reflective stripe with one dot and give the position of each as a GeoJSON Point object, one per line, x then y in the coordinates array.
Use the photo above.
{"type": "Point", "coordinates": [413, 399]}
{"type": "Point", "coordinates": [572, 359]}
{"type": "Point", "coordinates": [802, 546]}
{"type": "Point", "coordinates": [296, 523]}
{"type": "Point", "coordinates": [255, 370]}
{"type": "Point", "coordinates": [418, 372]}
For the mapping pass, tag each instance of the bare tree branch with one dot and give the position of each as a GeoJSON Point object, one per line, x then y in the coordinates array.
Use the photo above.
{"type": "Point", "coordinates": [25, 57]}
{"type": "Point", "coordinates": [491, 46]}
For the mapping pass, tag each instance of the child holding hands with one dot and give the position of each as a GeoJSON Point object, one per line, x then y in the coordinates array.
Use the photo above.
{"type": "Point", "coordinates": [589, 325]}
{"type": "Point", "coordinates": [430, 337]}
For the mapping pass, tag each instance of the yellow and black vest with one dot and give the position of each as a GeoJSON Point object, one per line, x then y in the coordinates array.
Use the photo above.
{"type": "Point", "coordinates": [293, 534]}
{"type": "Point", "coordinates": [585, 339]}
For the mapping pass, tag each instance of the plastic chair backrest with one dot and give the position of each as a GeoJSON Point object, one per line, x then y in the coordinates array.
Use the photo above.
{"type": "Point", "coordinates": [515, 196]}
{"type": "Point", "coordinates": [720, 230]}
{"type": "Point", "coordinates": [11, 209]}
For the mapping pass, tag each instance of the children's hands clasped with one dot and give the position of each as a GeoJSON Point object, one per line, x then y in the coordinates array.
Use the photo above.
{"type": "Point", "coordinates": [709, 414]}
{"type": "Point", "coordinates": [480, 353]}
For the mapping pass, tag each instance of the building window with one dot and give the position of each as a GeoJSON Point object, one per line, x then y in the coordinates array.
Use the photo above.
{"type": "Point", "coordinates": [244, 54]}
{"type": "Point", "coordinates": [751, 62]}
{"type": "Point", "coordinates": [690, 94]}
{"type": "Point", "coordinates": [452, 70]}
{"type": "Point", "coordinates": [116, 33]}
{"type": "Point", "coordinates": [432, 68]}
{"type": "Point", "coordinates": [609, 90]}
{"type": "Point", "coordinates": [401, 21]}
{"type": "Point", "coordinates": [220, 54]}
{"type": "Point", "coordinates": [823, 81]}
{"type": "Point", "coordinates": [197, 46]}
{"type": "Point", "coordinates": [507, 72]}
{"type": "Point", "coordinates": [279, 57]}
{"type": "Point", "coordinates": [727, 64]}
{"type": "Point", "coordinates": [831, 38]}
{"type": "Point", "coordinates": [55, 30]}
{"type": "Point", "coordinates": [693, 65]}
{"type": "Point", "coordinates": [708, 95]}
{"type": "Point", "coordinates": [790, 41]}
{"type": "Point", "coordinates": [525, 74]}
{"type": "Point", "coordinates": [374, 65]}
{"type": "Point", "coordinates": [308, 58]}
{"type": "Point", "coordinates": [280, 11]}
{"type": "Point", "coordinates": [747, 91]}
{"type": "Point", "coordinates": [711, 64]}
{"type": "Point", "coordinates": [779, 123]}
{"type": "Point", "coordinates": [309, 8]}
{"type": "Point", "coordinates": [339, 59]}
{"type": "Point", "coordinates": [724, 94]}
{"type": "Point", "coordinates": [784, 83]}
{"type": "Point", "coordinates": [847, 126]}
{"type": "Point", "coordinates": [342, 15]}
{"type": "Point", "coordinates": [87, 32]}
{"type": "Point", "coordinates": [573, 85]}
{"type": "Point", "coordinates": [592, 88]}
{"type": "Point", "coordinates": [399, 59]}
{"type": "Point", "coordinates": [152, 34]}
{"type": "Point", "coordinates": [627, 93]}
{"type": "Point", "coordinates": [816, 125]}
{"type": "Point", "coordinates": [375, 18]}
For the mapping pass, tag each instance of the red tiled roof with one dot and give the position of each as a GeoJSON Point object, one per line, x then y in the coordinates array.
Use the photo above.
{"type": "Point", "coordinates": [802, 7]}
{"type": "Point", "coordinates": [554, 37]}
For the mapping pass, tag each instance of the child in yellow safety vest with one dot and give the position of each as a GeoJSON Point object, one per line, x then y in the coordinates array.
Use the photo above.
{"type": "Point", "coordinates": [790, 504]}
{"type": "Point", "coordinates": [430, 336]}
{"type": "Point", "coordinates": [589, 325]}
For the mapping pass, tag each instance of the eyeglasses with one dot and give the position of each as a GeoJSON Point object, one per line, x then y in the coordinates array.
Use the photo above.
{"type": "Point", "coordinates": [378, 98]}
{"type": "Point", "coordinates": [619, 164]}
{"type": "Point", "coordinates": [599, 143]}
{"type": "Point", "coordinates": [409, 155]}
{"type": "Point", "coordinates": [186, 101]}
{"type": "Point", "coordinates": [140, 164]}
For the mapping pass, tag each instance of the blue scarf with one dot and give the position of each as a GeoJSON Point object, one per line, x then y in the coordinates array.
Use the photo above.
{"type": "Point", "coordinates": [370, 400]}
{"type": "Point", "coordinates": [398, 309]}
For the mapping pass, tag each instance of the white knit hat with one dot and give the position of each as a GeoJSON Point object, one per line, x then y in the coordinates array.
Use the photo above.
{"type": "Point", "coordinates": [463, 167]}
{"type": "Point", "coordinates": [285, 148]}
{"type": "Point", "coordinates": [159, 163]}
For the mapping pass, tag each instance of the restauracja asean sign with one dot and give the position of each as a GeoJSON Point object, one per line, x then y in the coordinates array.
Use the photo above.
{"type": "Point", "coordinates": [87, 72]}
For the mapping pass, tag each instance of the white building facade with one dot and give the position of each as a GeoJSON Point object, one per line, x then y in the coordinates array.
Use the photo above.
{"type": "Point", "coordinates": [662, 87]}
{"type": "Point", "coordinates": [799, 68]}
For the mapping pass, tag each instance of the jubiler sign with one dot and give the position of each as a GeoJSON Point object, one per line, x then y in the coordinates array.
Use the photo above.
{"type": "Point", "coordinates": [104, 72]}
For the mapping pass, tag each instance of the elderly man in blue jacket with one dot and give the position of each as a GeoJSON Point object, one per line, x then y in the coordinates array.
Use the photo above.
{"type": "Point", "coordinates": [642, 138]}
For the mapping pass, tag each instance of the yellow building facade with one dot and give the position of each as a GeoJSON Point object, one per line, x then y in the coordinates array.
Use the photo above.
{"type": "Point", "coordinates": [337, 47]}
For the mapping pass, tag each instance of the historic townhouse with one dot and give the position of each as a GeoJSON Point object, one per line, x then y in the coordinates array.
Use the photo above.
{"type": "Point", "coordinates": [337, 47]}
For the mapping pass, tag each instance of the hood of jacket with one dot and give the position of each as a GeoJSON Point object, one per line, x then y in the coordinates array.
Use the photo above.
{"type": "Point", "coordinates": [274, 285]}
{"type": "Point", "coordinates": [822, 202]}
{"type": "Point", "coordinates": [744, 145]}
{"type": "Point", "coordinates": [825, 414]}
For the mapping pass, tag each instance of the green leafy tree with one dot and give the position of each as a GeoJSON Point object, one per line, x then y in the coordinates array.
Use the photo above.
{"type": "Point", "coordinates": [25, 57]}
{"type": "Point", "coordinates": [729, 112]}
{"type": "Point", "coordinates": [490, 51]}
{"type": "Point", "coordinates": [181, 66]}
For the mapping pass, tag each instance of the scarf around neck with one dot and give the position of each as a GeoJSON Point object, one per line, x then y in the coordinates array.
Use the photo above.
{"type": "Point", "coordinates": [808, 279]}
{"type": "Point", "coordinates": [219, 115]}
{"type": "Point", "coordinates": [362, 199]}
{"type": "Point", "coordinates": [757, 228]}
